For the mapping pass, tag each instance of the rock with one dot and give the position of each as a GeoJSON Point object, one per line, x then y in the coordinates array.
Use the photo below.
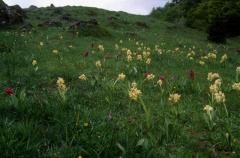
{"type": "Point", "coordinates": [32, 7]}
{"type": "Point", "coordinates": [50, 24]}
{"type": "Point", "coordinates": [16, 14]}
{"type": "Point", "coordinates": [11, 15]}
{"type": "Point", "coordinates": [82, 23]}
{"type": "Point", "coordinates": [4, 18]}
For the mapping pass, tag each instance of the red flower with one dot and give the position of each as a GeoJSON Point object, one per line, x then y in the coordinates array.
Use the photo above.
{"type": "Point", "coordinates": [9, 91]}
{"type": "Point", "coordinates": [146, 74]}
{"type": "Point", "coordinates": [191, 75]}
{"type": "Point", "coordinates": [161, 78]}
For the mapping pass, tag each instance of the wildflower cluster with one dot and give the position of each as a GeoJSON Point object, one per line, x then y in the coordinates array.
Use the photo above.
{"type": "Point", "coordinates": [212, 76]}
{"type": "Point", "coordinates": [98, 64]}
{"type": "Point", "coordinates": [55, 51]}
{"type": "Point", "coordinates": [215, 88]}
{"type": "Point", "coordinates": [34, 64]}
{"type": "Point", "coordinates": [236, 86]}
{"type": "Point", "coordinates": [149, 76]}
{"type": "Point", "coordinates": [191, 55]}
{"type": "Point", "coordinates": [101, 48]}
{"type": "Point", "coordinates": [62, 88]}
{"type": "Point", "coordinates": [224, 58]}
{"type": "Point", "coordinates": [82, 77]}
{"type": "Point", "coordinates": [174, 98]}
{"type": "Point", "coordinates": [134, 93]}
{"type": "Point", "coordinates": [121, 77]}
{"type": "Point", "coordinates": [212, 55]}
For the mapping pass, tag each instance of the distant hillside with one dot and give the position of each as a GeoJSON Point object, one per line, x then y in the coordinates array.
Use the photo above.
{"type": "Point", "coordinates": [220, 18]}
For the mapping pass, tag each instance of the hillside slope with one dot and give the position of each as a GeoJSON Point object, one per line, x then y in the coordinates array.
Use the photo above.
{"type": "Point", "coordinates": [89, 83]}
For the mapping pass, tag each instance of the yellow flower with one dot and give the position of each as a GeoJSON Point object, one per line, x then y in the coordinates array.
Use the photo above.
{"type": "Point", "coordinates": [213, 89]}
{"type": "Point", "coordinates": [83, 77]}
{"type": "Point", "coordinates": [85, 124]}
{"type": "Point", "coordinates": [34, 62]}
{"type": "Point", "coordinates": [80, 156]}
{"type": "Point", "coordinates": [129, 52]}
{"type": "Point", "coordinates": [201, 62]}
{"type": "Point", "coordinates": [148, 61]}
{"type": "Point", "coordinates": [55, 51]}
{"type": "Point", "coordinates": [236, 86]}
{"type": "Point", "coordinates": [223, 58]}
{"type": "Point", "coordinates": [177, 49]}
{"type": "Point", "coordinates": [134, 84]}
{"type": "Point", "coordinates": [146, 54]}
{"type": "Point", "coordinates": [160, 82]}
{"type": "Point", "coordinates": [62, 89]}
{"type": "Point", "coordinates": [208, 109]}
{"type": "Point", "coordinates": [191, 54]}
{"type": "Point", "coordinates": [238, 70]}
{"type": "Point", "coordinates": [174, 98]}
{"type": "Point", "coordinates": [212, 76]}
{"type": "Point", "coordinates": [220, 97]}
{"type": "Point", "coordinates": [129, 58]}
{"type": "Point", "coordinates": [134, 93]}
{"type": "Point", "coordinates": [139, 57]}
{"type": "Point", "coordinates": [150, 77]}
{"type": "Point", "coordinates": [160, 51]}
{"type": "Point", "coordinates": [124, 49]}
{"type": "Point", "coordinates": [121, 77]}
{"type": "Point", "coordinates": [204, 58]}
{"type": "Point", "coordinates": [60, 81]}
{"type": "Point", "coordinates": [116, 46]}
{"type": "Point", "coordinates": [212, 56]}
{"type": "Point", "coordinates": [98, 64]}
{"type": "Point", "coordinates": [218, 82]}
{"type": "Point", "coordinates": [101, 48]}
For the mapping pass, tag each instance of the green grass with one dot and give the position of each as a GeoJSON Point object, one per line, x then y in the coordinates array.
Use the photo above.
{"type": "Point", "coordinates": [98, 119]}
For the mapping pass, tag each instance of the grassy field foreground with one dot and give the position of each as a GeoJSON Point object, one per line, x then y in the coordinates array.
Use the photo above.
{"type": "Point", "coordinates": [117, 90]}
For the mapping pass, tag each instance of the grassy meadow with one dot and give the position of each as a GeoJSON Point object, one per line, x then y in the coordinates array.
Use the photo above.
{"type": "Point", "coordinates": [130, 87]}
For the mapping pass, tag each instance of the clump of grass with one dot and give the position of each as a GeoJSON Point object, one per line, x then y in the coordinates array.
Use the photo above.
{"type": "Point", "coordinates": [94, 31]}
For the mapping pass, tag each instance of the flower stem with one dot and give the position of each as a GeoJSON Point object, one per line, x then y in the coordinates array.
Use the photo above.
{"type": "Point", "coordinates": [147, 112]}
{"type": "Point", "coordinates": [225, 107]}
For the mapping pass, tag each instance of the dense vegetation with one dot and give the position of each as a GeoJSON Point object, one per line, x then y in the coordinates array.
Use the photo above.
{"type": "Point", "coordinates": [90, 83]}
{"type": "Point", "coordinates": [220, 18]}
